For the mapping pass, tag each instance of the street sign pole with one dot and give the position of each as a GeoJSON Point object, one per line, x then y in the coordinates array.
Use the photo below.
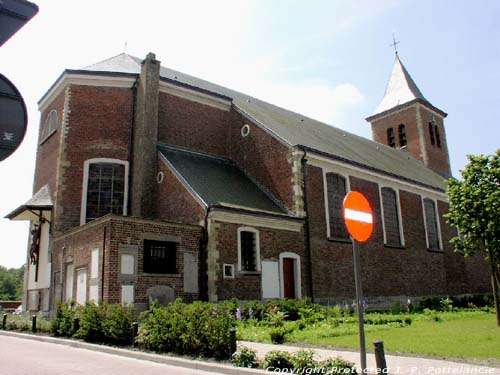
{"type": "Point", "coordinates": [358, 219]}
{"type": "Point", "coordinates": [359, 303]}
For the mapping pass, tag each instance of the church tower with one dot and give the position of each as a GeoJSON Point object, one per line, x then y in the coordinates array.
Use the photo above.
{"type": "Point", "coordinates": [406, 120]}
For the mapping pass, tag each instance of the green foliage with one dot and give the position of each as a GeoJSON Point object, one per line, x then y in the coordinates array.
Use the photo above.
{"type": "Point", "coordinates": [277, 335]}
{"type": "Point", "coordinates": [117, 325]}
{"type": "Point", "coordinates": [63, 323]}
{"type": "Point", "coordinates": [11, 283]}
{"type": "Point", "coordinates": [194, 329]}
{"type": "Point", "coordinates": [475, 211]}
{"type": "Point", "coordinates": [18, 323]}
{"type": "Point", "coordinates": [244, 357]}
{"type": "Point", "coordinates": [91, 318]}
{"type": "Point", "coordinates": [337, 366]}
{"type": "Point", "coordinates": [277, 359]}
{"type": "Point", "coordinates": [304, 363]}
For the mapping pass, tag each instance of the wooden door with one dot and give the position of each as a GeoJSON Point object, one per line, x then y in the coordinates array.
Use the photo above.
{"type": "Point", "coordinates": [288, 278]}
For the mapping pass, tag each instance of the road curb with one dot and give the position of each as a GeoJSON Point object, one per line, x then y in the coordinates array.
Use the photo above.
{"type": "Point", "coordinates": [158, 358]}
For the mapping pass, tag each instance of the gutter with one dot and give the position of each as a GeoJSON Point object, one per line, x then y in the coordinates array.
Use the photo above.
{"type": "Point", "coordinates": [131, 146]}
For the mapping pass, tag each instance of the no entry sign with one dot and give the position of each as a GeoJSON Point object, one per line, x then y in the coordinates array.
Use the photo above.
{"type": "Point", "coordinates": [358, 216]}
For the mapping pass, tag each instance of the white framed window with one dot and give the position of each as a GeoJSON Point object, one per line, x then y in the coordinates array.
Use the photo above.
{"type": "Point", "coordinates": [49, 126]}
{"type": "Point", "coordinates": [105, 188]}
{"type": "Point", "coordinates": [336, 187]}
{"type": "Point", "coordinates": [392, 222]}
{"type": "Point", "coordinates": [228, 271]}
{"type": "Point", "coordinates": [248, 249]}
{"type": "Point", "coordinates": [431, 224]}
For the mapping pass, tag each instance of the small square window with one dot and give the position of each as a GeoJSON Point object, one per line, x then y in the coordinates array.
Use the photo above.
{"type": "Point", "coordinates": [160, 257]}
{"type": "Point", "coordinates": [229, 271]}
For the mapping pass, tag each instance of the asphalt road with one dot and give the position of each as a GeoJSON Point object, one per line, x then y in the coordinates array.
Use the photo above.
{"type": "Point", "coordinates": [20, 356]}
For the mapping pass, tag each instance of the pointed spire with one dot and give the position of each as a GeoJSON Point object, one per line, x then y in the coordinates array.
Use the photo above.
{"type": "Point", "coordinates": [401, 88]}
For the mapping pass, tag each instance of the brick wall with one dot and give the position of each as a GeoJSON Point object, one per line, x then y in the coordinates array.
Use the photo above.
{"type": "Point", "coordinates": [48, 152]}
{"type": "Point", "coordinates": [272, 243]}
{"type": "Point", "coordinates": [79, 243]}
{"type": "Point", "coordinates": [99, 127]}
{"type": "Point", "coordinates": [214, 131]}
{"type": "Point", "coordinates": [174, 201]}
{"type": "Point", "coordinates": [386, 271]}
{"type": "Point", "coordinates": [434, 157]}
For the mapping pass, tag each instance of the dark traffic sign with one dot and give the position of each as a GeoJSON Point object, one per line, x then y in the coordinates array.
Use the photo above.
{"type": "Point", "coordinates": [13, 118]}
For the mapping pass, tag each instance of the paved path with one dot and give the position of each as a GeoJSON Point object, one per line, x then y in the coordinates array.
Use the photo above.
{"type": "Point", "coordinates": [396, 364]}
{"type": "Point", "coordinates": [42, 355]}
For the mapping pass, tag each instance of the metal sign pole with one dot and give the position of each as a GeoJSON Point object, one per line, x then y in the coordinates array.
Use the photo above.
{"type": "Point", "coordinates": [359, 302]}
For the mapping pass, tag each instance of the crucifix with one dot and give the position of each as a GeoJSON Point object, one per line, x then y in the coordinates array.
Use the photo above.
{"type": "Point", "coordinates": [394, 43]}
{"type": "Point", "coordinates": [36, 233]}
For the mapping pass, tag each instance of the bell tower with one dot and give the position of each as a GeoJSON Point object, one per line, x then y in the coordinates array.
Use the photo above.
{"type": "Point", "coordinates": [407, 121]}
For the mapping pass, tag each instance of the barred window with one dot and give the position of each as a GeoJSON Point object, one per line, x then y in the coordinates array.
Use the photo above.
{"type": "Point", "coordinates": [248, 249]}
{"type": "Point", "coordinates": [160, 257]}
{"type": "Point", "coordinates": [105, 190]}
{"type": "Point", "coordinates": [391, 217]}
{"type": "Point", "coordinates": [336, 192]}
{"type": "Point", "coordinates": [431, 225]}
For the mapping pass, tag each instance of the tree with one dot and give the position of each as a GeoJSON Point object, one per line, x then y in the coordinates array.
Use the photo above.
{"type": "Point", "coordinates": [475, 211]}
{"type": "Point", "coordinates": [11, 283]}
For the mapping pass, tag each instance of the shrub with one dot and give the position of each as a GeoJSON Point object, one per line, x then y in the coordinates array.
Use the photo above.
{"type": "Point", "coordinates": [276, 359]}
{"type": "Point", "coordinates": [194, 329]}
{"type": "Point", "coordinates": [304, 362]}
{"type": "Point", "coordinates": [277, 335]}
{"type": "Point", "coordinates": [117, 325]}
{"type": "Point", "coordinates": [92, 317]}
{"type": "Point", "coordinates": [337, 366]}
{"type": "Point", "coordinates": [18, 323]}
{"type": "Point", "coordinates": [64, 322]}
{"type": "Point", "coordinates": [244, 357]}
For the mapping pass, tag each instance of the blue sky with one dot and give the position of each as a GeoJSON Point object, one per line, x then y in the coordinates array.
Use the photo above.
{"type": "Point", "coordinates": [329, 60]}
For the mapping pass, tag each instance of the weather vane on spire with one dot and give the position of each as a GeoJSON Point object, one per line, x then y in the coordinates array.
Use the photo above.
{"type": "Point", "coordinates": [395, 43]}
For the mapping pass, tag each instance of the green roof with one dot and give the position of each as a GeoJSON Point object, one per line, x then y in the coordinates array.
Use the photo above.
{"type": "Point", "coordinates": [218, 181]}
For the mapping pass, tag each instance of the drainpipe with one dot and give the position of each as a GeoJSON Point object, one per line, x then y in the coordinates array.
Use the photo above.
{"type": "Point", "coordinates": [203, 258]}
{"type": "Point", "coordinates": [103, 259]}
{"type": "Point", "coordinates": [307, 236]}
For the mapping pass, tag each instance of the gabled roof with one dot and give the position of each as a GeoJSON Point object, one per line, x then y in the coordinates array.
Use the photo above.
{"type": "Point", "coordinates": [297, 130]}
{"type": "Point", "coordinates": [40, 201]}
{"type": "Point", "coordinates": [218, 181]}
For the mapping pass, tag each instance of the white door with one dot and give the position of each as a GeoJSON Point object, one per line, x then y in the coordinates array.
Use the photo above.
{"type": "Point", "coordinates": [270, 279]}
{"type": "Point", "coordinates": [81, 286]}
{"type": "Point", "coordinates": [69, 283]}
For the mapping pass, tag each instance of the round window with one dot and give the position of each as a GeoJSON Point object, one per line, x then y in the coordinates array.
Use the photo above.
{"type": "Point", "coordinates": [159, 177]}
{"type": "Point", "coordinates": [245, 130]}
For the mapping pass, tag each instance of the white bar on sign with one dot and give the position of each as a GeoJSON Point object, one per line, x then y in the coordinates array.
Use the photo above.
{"type": "Point", "coordinates": [358, 216]}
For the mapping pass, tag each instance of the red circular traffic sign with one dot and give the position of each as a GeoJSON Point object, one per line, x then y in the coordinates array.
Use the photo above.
{"type": "Point", "coordinates": [358, 216]}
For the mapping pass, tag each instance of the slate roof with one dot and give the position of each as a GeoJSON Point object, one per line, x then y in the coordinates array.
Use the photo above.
{"type": "Point", "coordinates": [298, 130]}
{"type": "Point", "coordinates": [218, 181]}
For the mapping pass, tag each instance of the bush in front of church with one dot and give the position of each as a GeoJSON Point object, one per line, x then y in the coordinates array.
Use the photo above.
{"type": "Point", "coordinates": [192, 329]}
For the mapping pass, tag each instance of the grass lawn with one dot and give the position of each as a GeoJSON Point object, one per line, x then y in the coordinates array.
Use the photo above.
{"type": "Point", "coordinates": [463, 334]}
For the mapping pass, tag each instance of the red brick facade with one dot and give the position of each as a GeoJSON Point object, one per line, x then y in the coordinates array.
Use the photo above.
{"type": "Point", "coordinates": [100, 123]}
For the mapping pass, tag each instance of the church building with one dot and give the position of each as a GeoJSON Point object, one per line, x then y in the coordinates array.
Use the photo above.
{"type": "Point", "coordinates": [151, 183]}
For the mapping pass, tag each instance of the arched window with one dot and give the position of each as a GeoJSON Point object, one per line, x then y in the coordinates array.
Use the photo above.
{"type": "Point", "coordinates": [390, 137]}
{"type": "Point", "coordinates": [431, 224]}
{"type": "Point", "coordinates": [431, 133]}
{"type": "Point", "coordinates": [50, 125]}
{"type": "Point", "coordinates": [104, 188]}
{"type": "Point", "coordinates": [402, 135]}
